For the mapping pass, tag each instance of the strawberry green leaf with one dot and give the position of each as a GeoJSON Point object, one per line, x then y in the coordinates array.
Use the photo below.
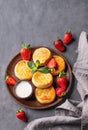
{"type": "Point", "coordinates": [69, 31]}
{"type": "Point", "coordinates": [63, 94]}
{"type": "Point", "coordinates": [24, 45]}
{"type": "Point", "coordinates": [58, 37]}
{"type": "Point", "coordinates": [18, 110]}
{"type": "Point", "coordinates": [28, 46]}
{"type": "Point", "coordinates": [62, 73]}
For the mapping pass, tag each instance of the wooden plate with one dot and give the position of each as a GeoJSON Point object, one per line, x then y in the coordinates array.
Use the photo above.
{"type": "Point", "coordinates": [32, 102]}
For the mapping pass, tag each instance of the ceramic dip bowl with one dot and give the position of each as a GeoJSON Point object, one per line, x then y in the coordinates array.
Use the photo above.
{"type": "Point", "coordinates": [23, 89]}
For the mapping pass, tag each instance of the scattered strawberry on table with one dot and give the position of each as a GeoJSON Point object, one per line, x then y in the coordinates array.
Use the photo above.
{"type": "Point", "coordinates": [25, 52]}
{"type": "Point", "coordinates": [52, 63]}
{"type": "Point", "coordinates": [67, 37]}
{"type": "Point", "coordinates": [58, 44]}
{"type": "Point", "coordinates": [61, 82]}
{"type": "Point", "coordinates": [10, 80]}
{"type": "Point", "coordinates": [20, 114]}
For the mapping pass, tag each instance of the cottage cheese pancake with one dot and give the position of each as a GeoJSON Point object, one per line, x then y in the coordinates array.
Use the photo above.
{"type": "Point", "coordinates": [45, 95]}
{"type": "Point", "coordinates": [42, 54]}
{"type": "Point", "coordinates": [42, 80]}
{"type": "Point", "coordinates": [22, 71]}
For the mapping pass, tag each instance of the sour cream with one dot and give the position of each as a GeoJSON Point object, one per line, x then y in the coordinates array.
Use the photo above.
{"type": "Point", "coordinates": [23, 89]}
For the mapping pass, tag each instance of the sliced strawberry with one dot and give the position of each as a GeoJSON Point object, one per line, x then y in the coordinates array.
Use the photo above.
{"type": "Point", "coordinates": [10, 80]}
{"type": "Point", "coordinates": [25, 52]}
{"type": "Point", "coordinates": [52, 63]}
{"type": "Point", "coordinates": [20, 114]}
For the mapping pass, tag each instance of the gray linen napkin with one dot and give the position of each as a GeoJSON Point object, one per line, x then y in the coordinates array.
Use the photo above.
{"type": "Point", "coordinates": [71, 115]}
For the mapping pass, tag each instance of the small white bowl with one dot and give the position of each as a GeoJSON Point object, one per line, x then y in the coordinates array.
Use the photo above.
{"type": "Point", "coordinates": [23, 89]}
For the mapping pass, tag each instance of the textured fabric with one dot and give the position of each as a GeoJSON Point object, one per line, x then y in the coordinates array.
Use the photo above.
{"type": "Point", "coordinates": [71, 115]}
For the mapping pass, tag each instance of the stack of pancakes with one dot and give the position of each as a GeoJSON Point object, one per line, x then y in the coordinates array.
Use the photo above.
{"type": "Point", "coordinates": [44, 92]}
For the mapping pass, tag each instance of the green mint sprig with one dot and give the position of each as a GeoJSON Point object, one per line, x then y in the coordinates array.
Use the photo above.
{"type": "Point", "coordinates": [35, 67]}
{"type": "Point", "coordinates": [44, 69]}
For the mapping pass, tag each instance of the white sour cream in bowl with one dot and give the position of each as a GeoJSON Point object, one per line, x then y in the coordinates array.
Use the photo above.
{"type": "Point", "coordinates": [23, 89]}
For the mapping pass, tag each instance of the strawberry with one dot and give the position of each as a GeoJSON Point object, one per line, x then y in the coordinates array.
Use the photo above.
{"type": "Point", "coordinates": [10, 80]}
{"type": "Point", "coordinates": [60, 92]}
{"type": "Point", "coordinates": [25, 52]}
{"type": "Point", "coordinates": [20, 114]}
{"type": "Point", "coordinates": [59, 45]}
{"type": "Point", "coordinates": [67, 37]}
{"type": "Point", "coordinates": [61, 80]}
{"type": "Point", "coordinates": [52, 63]}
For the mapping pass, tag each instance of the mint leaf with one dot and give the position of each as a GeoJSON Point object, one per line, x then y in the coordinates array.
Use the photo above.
{"type": "Point", "coordinates": [34, 70]}
{"type": "Point", "coordinates": [37, 63]}
{"type": "Point", "coordinates": [31, 64]}
{"type": "Point", "coordinates": [44, 69]}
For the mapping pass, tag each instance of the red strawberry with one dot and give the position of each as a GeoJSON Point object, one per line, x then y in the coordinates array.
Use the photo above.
{"type": "Point", "coordinates": [20, 114]}
{"type": "Point", "coordinates": [61, 80]}
{"type": "Point", "coordinates": [25, 52]}
{"type": "Point", "coordinates": [67, 37]}
{"type": "Point", "coordinates": [52, 63]}
{"type": "Point", "coordinates": [59, 45]}
{"type": "Point", "coordinates": [10, 80]}
{"type": "Point", "coordinates": [60, 92]}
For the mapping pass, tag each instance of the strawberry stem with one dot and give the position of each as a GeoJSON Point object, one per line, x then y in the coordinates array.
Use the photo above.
{"type": "Point", "coordinates": [6, 77]}
{"type": "Point", "coordinates": [28, 46]}
{"type": "Point", "coordinates": [59, 39]}
{"type": "Point", "coordinates": [63, 94]}
{"type": "Point", "coordinates": [18, 110]}
{"type": "Point", "coordinates": [25, 46]}
{"type": "Point", "coordinates": [69, 31]}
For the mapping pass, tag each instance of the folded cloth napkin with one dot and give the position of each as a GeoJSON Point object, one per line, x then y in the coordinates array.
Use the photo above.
{"type": "Point", "coordinates": [71, 115]}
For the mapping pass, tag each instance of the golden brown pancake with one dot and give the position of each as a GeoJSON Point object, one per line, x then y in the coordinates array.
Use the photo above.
{"type": "Point", "coordinates": [42, 80]}
{"type": "Point", "coordinates": [22, 71]}
{"type": "Point", "coordinates": [42, 54]}
{"type": "Point", "coordinates": [60, 64]}
{"type": "Point", "coordinates": [46, 95]}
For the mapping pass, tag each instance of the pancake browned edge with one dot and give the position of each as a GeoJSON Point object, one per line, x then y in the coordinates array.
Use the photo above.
{"type": "Point", "coordinates": [42, 54]}
{"type": "Point", "coordinates": [45, 96]}
{"type": "Point", "coordinates": [42, 80]}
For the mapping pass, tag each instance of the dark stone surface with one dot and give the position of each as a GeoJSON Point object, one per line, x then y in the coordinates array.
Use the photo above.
{"type": "Point", "coordinates": [37, 22]}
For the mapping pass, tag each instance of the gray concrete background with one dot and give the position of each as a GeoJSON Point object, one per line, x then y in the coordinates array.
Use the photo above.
{"type": "Point", "coordinates": [37, 22]}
